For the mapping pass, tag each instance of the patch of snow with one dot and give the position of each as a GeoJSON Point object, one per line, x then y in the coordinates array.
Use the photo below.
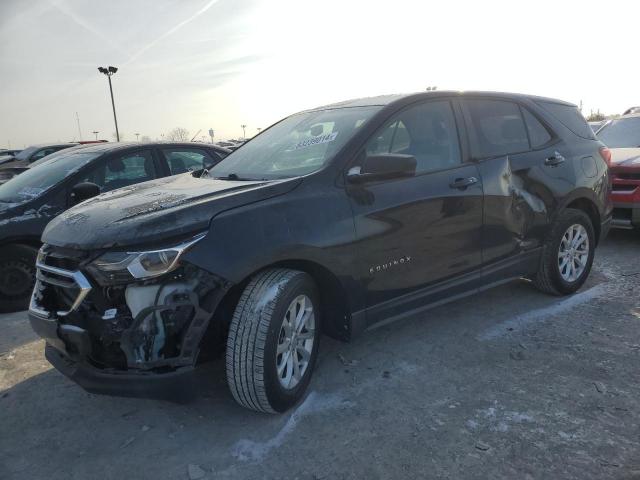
{"type": "Point", "coordinates": [489, 412]}
{"type": "Point", "coordinates": [249, 450]}
{"type": "Point", "coordinates": [500, 427]}
{"type": "Point", "coordinates": [522, 321]}
{"type": "Point", "coordinates": [269, 296]}
{"type": "Point", "coordinates": [496, 419]}
{"type": "Point", "coordinates": [518, 417]}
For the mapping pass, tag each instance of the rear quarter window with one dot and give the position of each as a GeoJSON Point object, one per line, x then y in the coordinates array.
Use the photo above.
{"type": "Point", "coordinates": [538, 134]}
{"type": "Point", "coordinates": [570, 117]}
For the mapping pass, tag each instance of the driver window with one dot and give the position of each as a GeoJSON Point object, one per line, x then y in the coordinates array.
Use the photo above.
{"type": "Point", "coordinates": [122, 171]}
{"type": "Point", "coordinates": [426, 131]}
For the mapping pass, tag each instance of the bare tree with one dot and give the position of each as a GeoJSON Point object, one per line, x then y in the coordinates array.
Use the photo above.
{"type": "Point", "coordinates": [178, 134]}
{"type": "Point", "coordinates": [596, 116]}
{"type": "Point", "coordinates": [145, 138]}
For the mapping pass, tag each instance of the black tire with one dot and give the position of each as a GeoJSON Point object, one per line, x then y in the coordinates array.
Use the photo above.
{"type": "Point", "coordinates": [548, 279]}
{"type": "Point", "coordinates": [17, 277]}
{"type": "Point", "coordinates": [254, 335]}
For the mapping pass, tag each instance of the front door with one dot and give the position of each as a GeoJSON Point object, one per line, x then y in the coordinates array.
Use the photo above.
{"type": "Point", "coordinates": [415, 232]}
{"type": "Point", "coordinates": [123, 170]}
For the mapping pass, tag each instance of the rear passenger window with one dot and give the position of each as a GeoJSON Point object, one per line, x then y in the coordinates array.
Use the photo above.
{"type": "Point", "coordinates": [182, 160]}
{"type": "Point", "coordinates": [538, 134]}
{"type": "Point", "coordinates": [426, 131]}
{"type": "Point", "coordinates": [43, 153]}
{"type": "Point", "coordinates": [497, 128]}
{"type": "Point", "coordinates": [570, 117]}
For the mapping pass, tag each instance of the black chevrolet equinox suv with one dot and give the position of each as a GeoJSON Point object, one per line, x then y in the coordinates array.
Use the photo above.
{"type": "Point", "coordinates": [330, 221]}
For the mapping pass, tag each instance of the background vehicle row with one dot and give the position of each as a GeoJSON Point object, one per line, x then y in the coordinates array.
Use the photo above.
{"type": "Point", "coordinates": [29, 201]}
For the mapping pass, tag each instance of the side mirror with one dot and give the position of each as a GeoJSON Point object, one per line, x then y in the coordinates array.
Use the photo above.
{"type": "Point", "coordinates": [84, 191]}
{"type": "Point", "coordinates": [383, 166]}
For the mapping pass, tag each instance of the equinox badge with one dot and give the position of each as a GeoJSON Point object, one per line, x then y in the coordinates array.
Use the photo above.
{"type": "Point", "coordinates": [390, 264]}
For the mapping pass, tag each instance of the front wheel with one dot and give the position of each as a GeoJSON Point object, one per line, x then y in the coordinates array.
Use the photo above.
{"type": "Point", "coordinates": [17, 277]}
{"type": "Point", "coordinates": [567, 254]}
{"type": "Point", "coordinates": [273, 340]}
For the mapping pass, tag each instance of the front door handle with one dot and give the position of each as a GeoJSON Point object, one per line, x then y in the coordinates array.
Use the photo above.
{"type": "Point", "coordinates": [462, 183]}
{"type": "Point", "coordinates": [555, 159]}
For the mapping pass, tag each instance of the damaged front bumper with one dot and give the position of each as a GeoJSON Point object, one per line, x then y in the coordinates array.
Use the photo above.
{"type": "Point", "coordinates": [137, 339]}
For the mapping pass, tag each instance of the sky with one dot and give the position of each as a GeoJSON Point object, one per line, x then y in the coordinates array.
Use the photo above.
{"type": "Point", "coordinates": [201, 64]}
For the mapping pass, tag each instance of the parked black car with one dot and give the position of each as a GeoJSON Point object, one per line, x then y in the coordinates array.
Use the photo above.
{"type": "Point", "coordinates": [332, 220]}
{"type": "Point", "coordinates": [29, 201]}
{"type": "Point", "coordinates": [32, 154]}
{"type": "Point", "coordinates": [14, 168]}
{"type": "Point", "coordinates": [9, 152]}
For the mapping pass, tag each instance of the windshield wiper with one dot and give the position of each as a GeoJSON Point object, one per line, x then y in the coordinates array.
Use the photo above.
{"type": "Point", "coordinates": [234, 176]}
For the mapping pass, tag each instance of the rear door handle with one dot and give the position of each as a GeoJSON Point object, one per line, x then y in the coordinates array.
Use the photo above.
{"type": "Point", "coordinates": [462, 183]}
{"type": "Point", "coordinates": [555, 159]}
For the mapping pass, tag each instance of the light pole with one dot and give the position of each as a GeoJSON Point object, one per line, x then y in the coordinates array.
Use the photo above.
{"type": "Point", "coordinates": [95, 132]}
{"type": "Point", "coordinates": [259, 128]}
{"type": "Point", "coordinates": [137, 137]}
{"type": "Point", "coordinates": [109, 71]}
{"type": "Point", "coordinates": [79, 131]}
{"type": "Point", "coordinates": [244, 135]}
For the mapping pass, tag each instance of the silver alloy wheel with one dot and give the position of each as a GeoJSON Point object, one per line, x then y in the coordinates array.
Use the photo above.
{"type": "Point", "coordinates": [573, 253]}
{"type": "Point", "coordinates": [295, 342]}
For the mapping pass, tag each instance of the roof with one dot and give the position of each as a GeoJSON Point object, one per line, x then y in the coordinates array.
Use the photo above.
{"type": "Point", "coordinates": [114, 146]}
{"type": "Point", "coordinates": [629, 115]}
{"type": "Point", "coordinates": [50, 144]}
{"type": "Point", "coordinates": [388, 99]}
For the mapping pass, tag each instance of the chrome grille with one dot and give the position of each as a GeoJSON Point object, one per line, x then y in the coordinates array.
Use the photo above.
{"type": "Point", "coordinates": [70, 286]}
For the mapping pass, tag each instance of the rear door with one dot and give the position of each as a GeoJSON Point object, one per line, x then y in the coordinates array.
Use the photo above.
{"type": "Point", "coordinates": [521, 162]}
{"type": "Point", "coordinates": [414, 232]}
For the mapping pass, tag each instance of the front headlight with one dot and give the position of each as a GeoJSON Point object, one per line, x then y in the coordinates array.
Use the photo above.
{"type": "Point", "coordinates": [122, 267]}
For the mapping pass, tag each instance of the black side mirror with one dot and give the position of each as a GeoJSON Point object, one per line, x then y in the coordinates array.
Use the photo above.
{"type": "Point", "coordinates": [383, 166]}
{"type": "Point", "coordinates": [84, 191]}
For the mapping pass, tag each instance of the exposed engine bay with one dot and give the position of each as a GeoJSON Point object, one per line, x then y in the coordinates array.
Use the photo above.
{"type": "Point", "coordinates": [149, 324]}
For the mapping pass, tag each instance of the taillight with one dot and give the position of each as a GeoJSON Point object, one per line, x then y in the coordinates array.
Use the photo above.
{"type": "Point", "coordinates": [605, 153]}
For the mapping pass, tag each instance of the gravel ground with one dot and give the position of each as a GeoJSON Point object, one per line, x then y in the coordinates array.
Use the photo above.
{"type": "Point", "coordinates": [507, 384]}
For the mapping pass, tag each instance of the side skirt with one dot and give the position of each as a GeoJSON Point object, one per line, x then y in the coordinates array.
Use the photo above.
{"type": "Point", "coordinates": [490, 276]}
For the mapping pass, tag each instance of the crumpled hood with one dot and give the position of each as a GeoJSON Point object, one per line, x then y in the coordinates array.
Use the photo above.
{"type": "Point", "coordinates": [155, 211]}
{"type": "Point", "coordinates": [625, 159]}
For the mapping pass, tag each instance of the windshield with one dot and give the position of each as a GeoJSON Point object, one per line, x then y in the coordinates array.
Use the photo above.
{"type": "Point", "coordinates": [621, 133]}
{"type": "Point", "coordinates": [298, 145]}
{"type": "Point", "coordinates": [37, 180]}
{"type": "Point", "coordinates": [26, 153]}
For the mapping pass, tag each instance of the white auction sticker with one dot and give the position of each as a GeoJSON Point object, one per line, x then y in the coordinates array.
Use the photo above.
{"type": "Point", "coordinates": [329, 137]}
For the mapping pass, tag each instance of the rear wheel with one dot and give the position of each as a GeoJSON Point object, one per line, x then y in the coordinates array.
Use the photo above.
{"type": "Point", "coordinates": [17, 277]}
{"type": "Point", "coordinates": [567, 254]}
{"type": "Point", "coordinates": [273, 340]}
